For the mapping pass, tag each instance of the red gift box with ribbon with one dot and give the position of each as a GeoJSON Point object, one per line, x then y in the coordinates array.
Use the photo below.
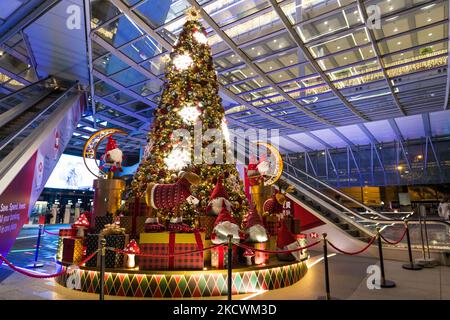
{"type": "Point", "coordinates": [68, 232]}
{"type": "Point", "coordinates": [163, 251]}
{"type": "Point", "coordinates": [219, 257]}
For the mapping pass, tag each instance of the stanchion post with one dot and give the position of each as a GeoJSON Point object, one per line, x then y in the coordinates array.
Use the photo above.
{"type": "Point", "coordinates": [384, 283]}
{"type": "Point", "coordinates": [102, 268]}
{"type": "Point", "coordinates": [410, 265]}
{"type": "Point", "coordinates": [325, 261]}
{"type": "Point", "coordinates": [230, 270]}
{"type": "Point", "coordinates": [35, 264]}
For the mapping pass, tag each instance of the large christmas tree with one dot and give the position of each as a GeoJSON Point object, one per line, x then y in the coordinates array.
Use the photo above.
{"type": "Point", "coordinates": [190, 101]}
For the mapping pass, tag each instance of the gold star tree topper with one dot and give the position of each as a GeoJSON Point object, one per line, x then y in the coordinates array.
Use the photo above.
{"type": "Point", "coordinates": [192, 14]}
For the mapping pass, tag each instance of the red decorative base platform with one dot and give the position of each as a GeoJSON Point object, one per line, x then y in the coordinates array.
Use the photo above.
{"type": "Point", "coordinates": [185, 284]}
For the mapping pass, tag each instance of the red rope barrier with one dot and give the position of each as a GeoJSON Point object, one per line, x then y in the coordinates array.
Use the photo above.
{"type": "Point", "coordinates": [395, 242]}
{"type": "Point", "coordinates": [278, 251]}
{"type": "Point", "coordinates": [44, 276]}
{"type": "Point", "coordinates": [51, 233]}
{"type": "Point", "coordinates": [353, 253]}
{"type": "Point", "coordinates": [164, 255]}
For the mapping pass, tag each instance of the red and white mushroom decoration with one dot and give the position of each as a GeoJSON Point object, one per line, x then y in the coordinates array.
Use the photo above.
{"type": "Point", "coordinates": [81, 224]}
{"type": "Point", "coordinates": [249, 254]}
{"type": "Point", "coordinates": [131, 249]}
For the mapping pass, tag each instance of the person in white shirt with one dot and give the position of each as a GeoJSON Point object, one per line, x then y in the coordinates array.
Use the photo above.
{"type": "Point", "coordinates": [444, 209]}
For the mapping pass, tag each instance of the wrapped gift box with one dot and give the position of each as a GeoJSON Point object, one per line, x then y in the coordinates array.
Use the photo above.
{"type": "Point", "coordinates": [68, 232]}
{"type": "Point", "coordinates": [100, 223]}
{"type": "Point", "coordinates": [272, 243]}
{"type": "Point", "coordinates": [137, 207]}
{"type": "Point", "coordinates": [59, 249]}
{"type": "Point", "coordinates": [140, 224]}
{"type": "Point", "coordinates": [166, 243]}
{"type": "Point", "coordinates": [260, 257]}
{"type": "Point", "coordinates": [126, 222]}
{"type": "Point", "coordinates": [207, 222]}
{"type": "Point", "coordinates": [219, 257]}
{"type": "Point", "coordinates": [272, 224]}
{"type": "Point", "coordinates": [92, 244]}
{"type": "Point", "coordinates": [301, 238]}
{"type": "Point", "coordinates": [112, 259]}
{"type": "Point", "coordinates": [207, 253]}
{"type": "Point", "coordinates": [72, 250]}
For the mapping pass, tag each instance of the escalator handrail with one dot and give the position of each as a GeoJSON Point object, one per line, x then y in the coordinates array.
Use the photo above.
{"type": "Point", "coordinates": [386, 220]}
{"type": "Point", "coordinates": [24, 88]}
{"type": "Point", "coordinates": [366, 219]}
{"type": "Point", "coordinates": [11, 138]}
{"type": "Point", "coordinates": [370, 210]}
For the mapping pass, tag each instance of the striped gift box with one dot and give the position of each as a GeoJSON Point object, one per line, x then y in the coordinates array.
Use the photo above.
{"type": "Point", "coordinates": [165, 243]}
{"type": "Point", "coordinates": [72, 250]}
{"type": "Point", "coordinates": [219, 257]}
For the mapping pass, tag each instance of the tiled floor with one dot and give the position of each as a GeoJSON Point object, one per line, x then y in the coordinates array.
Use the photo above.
{"type": "Point", "coordinates": [347, 280]}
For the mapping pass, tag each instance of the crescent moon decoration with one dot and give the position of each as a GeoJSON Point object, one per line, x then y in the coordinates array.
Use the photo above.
{"type": "Point", "coordinates": [91, 146]}
{"type": "Point", "coordinates": [276, 164]}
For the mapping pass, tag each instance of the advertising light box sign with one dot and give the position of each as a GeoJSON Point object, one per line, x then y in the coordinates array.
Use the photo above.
{"type": "Point", "coordinates": [71, 173]}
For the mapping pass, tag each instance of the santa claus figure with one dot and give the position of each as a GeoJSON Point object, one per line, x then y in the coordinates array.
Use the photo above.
{"type": "Point", "coordinates": [218, 199]}
{"type": "Point", "coordinates": [257, 170]}
{"type": "Point", "coordinates": [254, 227]}
{"type": "Point", "coordinates": [223, 226]}
{"type": "Point", "coordinates": [112, 159]}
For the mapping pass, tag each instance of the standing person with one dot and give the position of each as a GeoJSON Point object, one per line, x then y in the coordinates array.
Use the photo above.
{"type": "Point", "coordinates": [444, 209]}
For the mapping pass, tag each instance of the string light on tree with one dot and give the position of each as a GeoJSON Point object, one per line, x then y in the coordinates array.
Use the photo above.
{"type": "Point", "coordinates": [178, 159]}
{"type": "Point", "coordinates": [200, 37]}
{"type": "Point", "coordinates": [182, 62]}
{"type": "Point", "coordinates": [189, 114]}
{"type": "Point", "coordinates": [225, 130]}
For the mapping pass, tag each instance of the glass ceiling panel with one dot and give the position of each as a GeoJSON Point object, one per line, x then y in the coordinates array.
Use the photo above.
{"type": "Point", "coordinates": [119, 32]}
{"type": "Point", "coordinates": [145, 89]}
{"type": "Point", "coordinates": [329, 24]}
{"type": "Point", "coordinates": [119, 98]}
{"type": "Point", "coordinates": [346, 58]}
{"type": "Point", "coordinates": [299, 11]}
{"type": "Point", "coordinates": [269, 46]}
{"type": "Point", "coordinates": [415, 38]}
{"type": "Point", "coordinates": [102, 11]}
{"type": "Point", "coordinates": [103, 89]}
{"type": "Point", "coordinates": [344, 42]}
{"type": "Point", "coordinates": [228, 11]}
{"type": "Point", "coordinates": [128, 77]}
{"type": "Point", "coordinates": [109, 64]}
{"type": "Point", "coordinates": [142, 50]}
{"type": "Point", "coordinates": [416, 53]}
{"type": "Point", "coordinates": [158, 12]}
{"type": "Point", "coordinates": [415, 19]}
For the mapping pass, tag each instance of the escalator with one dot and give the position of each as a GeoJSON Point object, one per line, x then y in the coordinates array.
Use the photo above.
{"type": "Point", "coordinates": [351, 225]}
{"type": "Point", "coordinates": [36, 124]}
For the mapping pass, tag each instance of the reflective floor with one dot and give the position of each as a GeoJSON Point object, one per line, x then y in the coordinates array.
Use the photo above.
{"type": "Point", "coordinates": [348, 278]}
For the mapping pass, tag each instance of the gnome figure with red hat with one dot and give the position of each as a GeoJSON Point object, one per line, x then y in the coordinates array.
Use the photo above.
{"type": "Point", "coordinates": [254, 227]}
{"type": "Point", "coordinates": [112, 159]}
{"type": "Point", "coordinates": [224, 226]}
{"type": "Point", "coordinates": [218, 199]}
{"type": "Point", "coordinates": [287, 241]}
